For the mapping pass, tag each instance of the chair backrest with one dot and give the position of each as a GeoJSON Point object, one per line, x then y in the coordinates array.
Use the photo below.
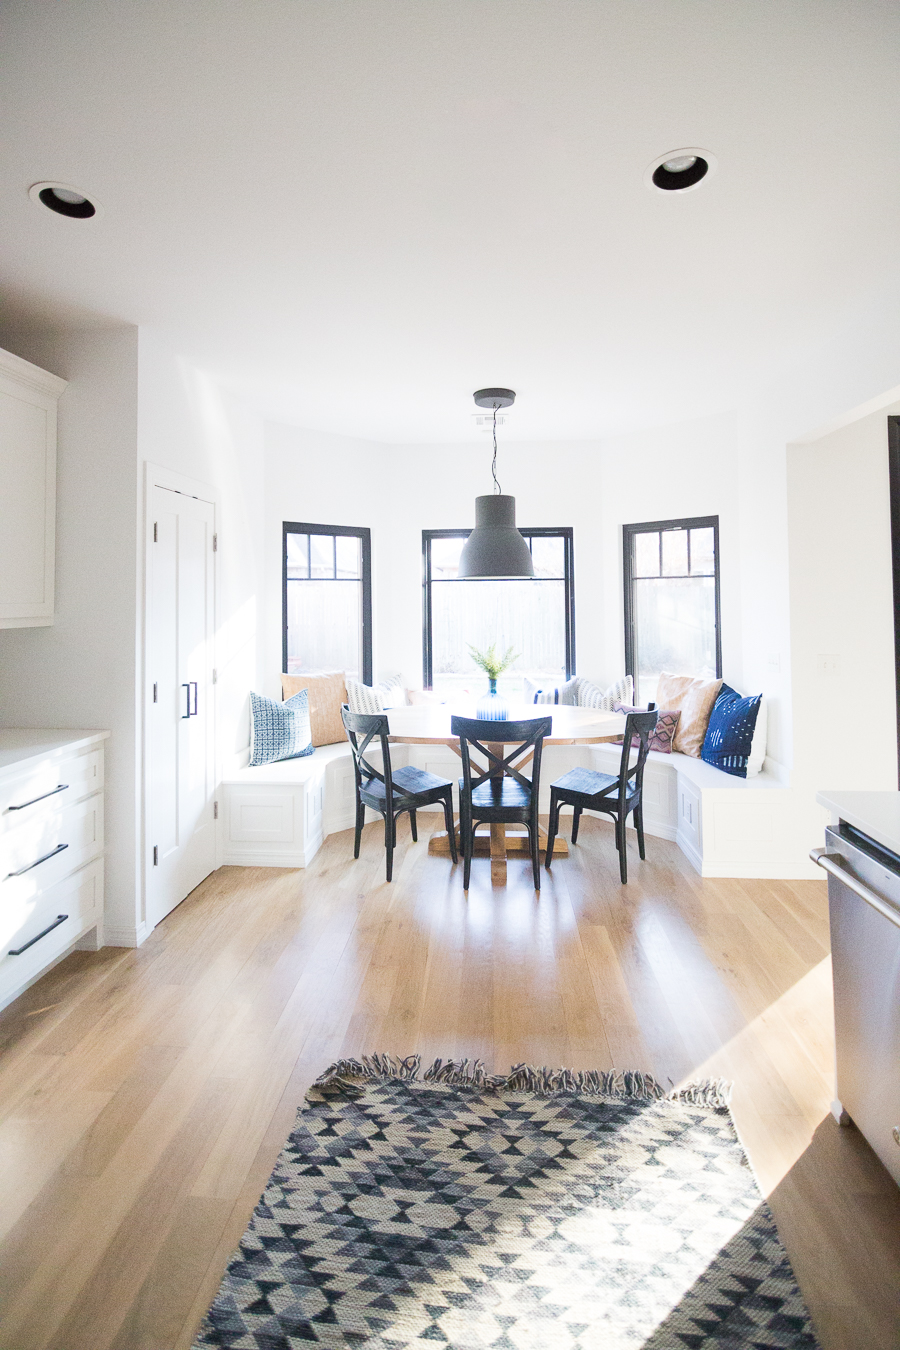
{"type": "Point", "coordinates": [638, 726]}
{"type": "Point", "coordinates": [361, 729]}
{"type": "Point", "coordinates": [538, 692]}
{"type": "Point", "coordinates": [524, 737]}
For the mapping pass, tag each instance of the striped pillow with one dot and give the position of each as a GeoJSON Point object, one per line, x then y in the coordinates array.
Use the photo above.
{"type": "Point", "coordinates": [587, 695]}
{"type": "Point", "coordinates": [375, 698]}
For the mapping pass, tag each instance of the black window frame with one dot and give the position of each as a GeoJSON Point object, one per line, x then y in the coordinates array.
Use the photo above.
{"type": "Point", "coordinates": [628, 578]}
{"type": "Point", "coordinates": [364, 535]}
{"type": "Point", "coordinates": [566, 532]}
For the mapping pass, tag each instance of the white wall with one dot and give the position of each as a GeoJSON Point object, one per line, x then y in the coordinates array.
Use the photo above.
{"type": "Point", "coordinates": [129, 400]}
{"type": "Point", "coordinates": [842, 635]}
{"type": "Point", "coordinates": [81, 672]}
{"type": "Point", "coordinates": [596, 487]}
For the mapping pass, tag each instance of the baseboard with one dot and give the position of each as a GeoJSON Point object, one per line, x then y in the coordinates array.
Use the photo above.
{"type": "Point", "coordinates": [257, 857]}
{"type": "Point", "coordinates": [126, 937]}
{"type": "Point", "coordinates": [693, 857]}
{"type": "Point", "coordinates": [790, 870]}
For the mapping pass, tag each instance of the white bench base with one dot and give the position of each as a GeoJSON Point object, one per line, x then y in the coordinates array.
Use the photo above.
{"type": "Point", "coordinates": [279, 815]}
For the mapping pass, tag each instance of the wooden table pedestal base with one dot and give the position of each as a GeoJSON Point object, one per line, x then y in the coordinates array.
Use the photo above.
{"type": "Point", "coordinates": [495, 842]}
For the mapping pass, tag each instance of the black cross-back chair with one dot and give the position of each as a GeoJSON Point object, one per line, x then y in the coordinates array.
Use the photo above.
{"type": "Point", "coordinates": [391, 791]}
{"type": "Point", "coordinates": [613, 794]}
{"type": "Point", "coordinates": [499, 793]}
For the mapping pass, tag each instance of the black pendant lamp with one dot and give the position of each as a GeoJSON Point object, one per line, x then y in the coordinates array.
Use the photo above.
{"type": "Point", "coordinates": [495, 548]}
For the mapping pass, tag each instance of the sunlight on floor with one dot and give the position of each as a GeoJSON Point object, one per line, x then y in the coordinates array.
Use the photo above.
{"type": "Point", "coordinates": [793, 1038]}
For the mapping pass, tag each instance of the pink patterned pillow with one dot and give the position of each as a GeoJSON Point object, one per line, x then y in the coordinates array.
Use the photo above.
{"type": "Point", "coordinates": [663, 734]}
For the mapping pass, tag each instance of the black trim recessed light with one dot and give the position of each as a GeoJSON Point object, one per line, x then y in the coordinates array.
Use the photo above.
{"type": "Point", "coordinates": [64, 199]}
{"type": "Point", "coordinates": [679, 170]}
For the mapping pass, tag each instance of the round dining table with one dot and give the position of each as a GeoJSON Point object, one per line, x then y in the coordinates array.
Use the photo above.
{"type": "Point", "coordinates": [429, 724]}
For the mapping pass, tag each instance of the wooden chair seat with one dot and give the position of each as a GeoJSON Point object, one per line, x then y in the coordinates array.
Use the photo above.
{"type": "Point", "coordinates": [590, 785]}
{"type": "Point", "coordinates": [500, 794]}
{"type": "Point", "coordinates": [408, 783]}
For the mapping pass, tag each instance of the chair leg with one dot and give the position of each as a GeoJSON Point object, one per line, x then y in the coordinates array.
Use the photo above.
{"type": "Point", "coordinates": [465, 838]}
{"type": "Point", "coordinates": [623, 852]}
{"type": "Point", "coordinates": [389, 832]}
{"type": "Point", "coordinates": [576, 818]}
{"type": "Point", "coordinates": [552, 827]}
{"type": "Point", "coordinates": [639, 826]}
{"type": "Point", "coordinates": [534, 840]}
{"type": "Point", "coordinates": [415, 832]}
{"type": "Point", "coordinates": [451, 832]}
{"type": "Point", "coordinates": [360, 818]}
{"type": "Point", "coordinates": [394, 831]}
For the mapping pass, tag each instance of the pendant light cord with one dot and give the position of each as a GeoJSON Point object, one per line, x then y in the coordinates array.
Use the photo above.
{"type": "Point", "coordinates": [497, 487]}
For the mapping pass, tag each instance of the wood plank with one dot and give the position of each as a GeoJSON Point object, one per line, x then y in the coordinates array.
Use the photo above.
{"type": "Point", "coordinates": [145, 1095]}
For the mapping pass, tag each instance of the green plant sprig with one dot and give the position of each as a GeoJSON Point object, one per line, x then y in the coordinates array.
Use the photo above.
{"type": "Point", "coordinates": [490, 662]}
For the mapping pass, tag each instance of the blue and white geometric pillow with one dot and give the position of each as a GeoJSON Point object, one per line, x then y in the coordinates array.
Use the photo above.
{"type": "Point", "coordinates": [729, 737]}
{"type": "Point", "coordinates": [279, 730]}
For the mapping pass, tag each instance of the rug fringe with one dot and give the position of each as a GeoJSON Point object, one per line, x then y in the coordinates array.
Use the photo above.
{"type": "Point", "coordinates": [615, 1084]}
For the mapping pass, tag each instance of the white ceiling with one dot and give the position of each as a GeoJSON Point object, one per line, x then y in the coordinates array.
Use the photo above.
{"type": "Point", "coordinates": [359, 211]}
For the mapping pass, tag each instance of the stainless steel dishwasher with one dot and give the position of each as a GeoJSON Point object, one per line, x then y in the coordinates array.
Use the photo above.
{"type": "Point", "coordinates": [864, 910]}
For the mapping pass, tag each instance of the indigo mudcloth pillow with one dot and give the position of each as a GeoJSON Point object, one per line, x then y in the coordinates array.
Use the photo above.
{"type": "Point", "coordinates": [279, 730]}
{"type": "Point", "coordinates": [729, 735]}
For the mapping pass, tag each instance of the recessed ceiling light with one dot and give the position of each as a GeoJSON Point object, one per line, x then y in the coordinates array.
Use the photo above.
{"type": "Point", "coordinates": [64, 199]}
{"type": "Point", "coordinates": [679, 170]}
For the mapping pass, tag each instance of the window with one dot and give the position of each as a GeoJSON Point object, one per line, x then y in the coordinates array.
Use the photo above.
{"type": "Point", "coordinates": [671, 601]}
{"type": "Point", "coordinates": [535, 616]}
{"type": "Point", "coordinates": [327, 599]}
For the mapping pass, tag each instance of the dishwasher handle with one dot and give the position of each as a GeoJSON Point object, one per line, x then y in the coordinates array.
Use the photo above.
{"type": "Point", "coordinates": [831, 863]}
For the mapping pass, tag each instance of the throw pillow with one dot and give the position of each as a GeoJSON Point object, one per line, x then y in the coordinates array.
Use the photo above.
{"type": "Point", "coordinates": [547, 692]}
{"type": "Point", "coordinates": [663, 733]}
{"type": "Point", "coordinates": [279, 730]}
{"type": "Point", "coordinates": [589, 696]}
{"type": "Point", "coordinates": [758, 744]}
{"type": "Point", "coordinates": [326, 694]}
{"type": "Point", "coordinates": [375, 698]}
{"type": "Point", "coordinates": [729, 735]}
{"type": "Point", "coordinates": [694, 699]}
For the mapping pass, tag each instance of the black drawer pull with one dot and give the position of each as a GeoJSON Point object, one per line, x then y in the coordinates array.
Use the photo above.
{"type": "Point", "coordinates": [60, 918]}
{"type": "Point", "coordinates": [37, 862]}
{"type": "Point", "coordinates": [52, 793]}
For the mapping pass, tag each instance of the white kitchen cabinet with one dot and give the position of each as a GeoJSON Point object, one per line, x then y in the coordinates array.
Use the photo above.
{"type": "Point", "coordinates": [51, 850]}
{"type": "Point", "coordinates": [28, 398]}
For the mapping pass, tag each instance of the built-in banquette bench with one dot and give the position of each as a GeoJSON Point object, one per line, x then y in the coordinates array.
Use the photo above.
{"type": "Point", "coordinates": [278, 815]}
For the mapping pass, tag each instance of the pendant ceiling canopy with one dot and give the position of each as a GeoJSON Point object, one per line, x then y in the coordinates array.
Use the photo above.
{"type": "Point", "coordinates": [495, 548]}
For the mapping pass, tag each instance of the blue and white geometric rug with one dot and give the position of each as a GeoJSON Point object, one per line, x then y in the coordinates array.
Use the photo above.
{"type": "Point", "coordinates": [537, 1211]}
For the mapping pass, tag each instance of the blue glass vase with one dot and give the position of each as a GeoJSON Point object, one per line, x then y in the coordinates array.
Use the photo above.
{"type": "Point", "coordinates": [493, 707]}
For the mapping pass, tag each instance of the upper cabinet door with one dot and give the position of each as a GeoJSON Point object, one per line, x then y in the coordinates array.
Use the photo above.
{"type": "Point", "coordinates": [28, 397]}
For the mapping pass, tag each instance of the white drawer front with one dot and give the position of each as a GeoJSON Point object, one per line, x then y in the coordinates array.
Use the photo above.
{"type": "Point", "coordinates": [42, 850]}
{"type": "Point", "coordinates": [68, 909]}
{"type": "Point", "coordinates": [47, 787]}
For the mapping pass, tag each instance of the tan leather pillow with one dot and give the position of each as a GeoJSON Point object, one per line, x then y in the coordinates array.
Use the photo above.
{"type": "Point", "coordinates": [326, 694]}
{"type": "Point", "coordinates": [695, 699]}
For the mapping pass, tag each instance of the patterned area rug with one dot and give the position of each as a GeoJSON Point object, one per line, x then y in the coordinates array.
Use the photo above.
{"type": "Point", "coordinates": [538, 1211]}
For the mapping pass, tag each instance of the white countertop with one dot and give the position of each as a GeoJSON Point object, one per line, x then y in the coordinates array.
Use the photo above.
{"type": "Point", "coordinates": [877, 814]}
{"type": "Point", "coordinates": [18, 745]}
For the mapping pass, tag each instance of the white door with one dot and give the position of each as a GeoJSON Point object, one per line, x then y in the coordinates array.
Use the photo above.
{"type": "Point", "coordinates": [181, 832]}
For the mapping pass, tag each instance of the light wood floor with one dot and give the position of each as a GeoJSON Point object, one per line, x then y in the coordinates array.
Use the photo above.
{"type": "Point", "coordinates": [145, 1094]}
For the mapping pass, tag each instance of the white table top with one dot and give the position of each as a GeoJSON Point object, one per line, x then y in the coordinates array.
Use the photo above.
{"type": "Point", "coordinates": [877, 814]}
{"type": "Point", "coordinates": [429, 723]}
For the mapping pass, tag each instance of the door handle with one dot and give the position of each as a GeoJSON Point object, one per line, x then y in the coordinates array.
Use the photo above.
{"type": "Point", "coordinates": [194, 687]}
{"type": "Point", "coordinates": [187, 711]}
{"type": "Point", "coordinates": [830, 863]}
